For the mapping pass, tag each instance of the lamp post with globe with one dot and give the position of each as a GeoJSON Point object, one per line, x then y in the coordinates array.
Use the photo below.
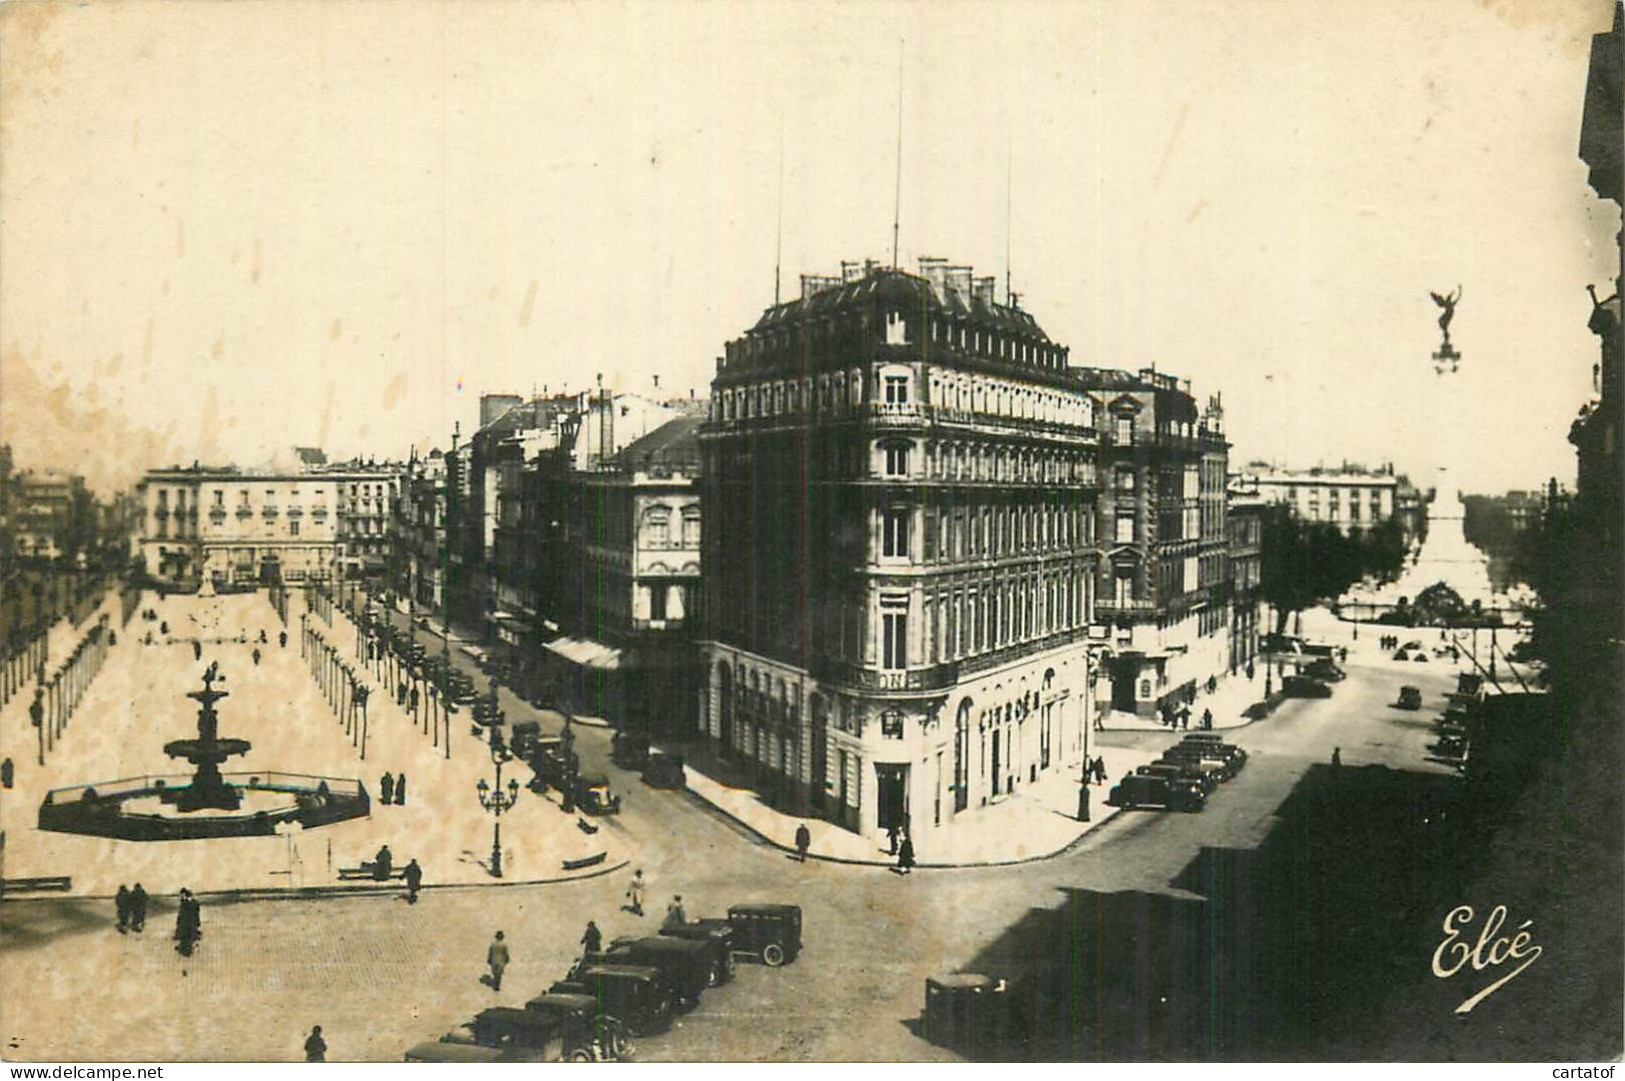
{"type": "Point", "coordinates": [495, 800]}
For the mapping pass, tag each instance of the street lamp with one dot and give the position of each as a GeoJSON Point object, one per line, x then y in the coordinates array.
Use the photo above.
{"type": "Point", "coordinates": [495, 800]}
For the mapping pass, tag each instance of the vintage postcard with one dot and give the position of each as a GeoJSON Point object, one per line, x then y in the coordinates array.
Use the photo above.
{"type": "Point", "coordinates": [716, 532]}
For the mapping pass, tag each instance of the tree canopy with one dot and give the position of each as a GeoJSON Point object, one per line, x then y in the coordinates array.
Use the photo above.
{"type": "Point", "coordinates": [1307, 563]}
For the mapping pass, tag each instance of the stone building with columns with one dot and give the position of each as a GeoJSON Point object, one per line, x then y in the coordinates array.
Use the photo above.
{"type": "Point", "coordinates": [897, 552]}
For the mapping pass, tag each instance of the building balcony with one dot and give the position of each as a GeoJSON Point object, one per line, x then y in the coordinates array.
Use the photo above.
{"type": "Point", "coordinates": [920, 679]}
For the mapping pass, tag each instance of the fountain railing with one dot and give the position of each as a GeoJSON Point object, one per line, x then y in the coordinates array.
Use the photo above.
{"type": "Point", "coordinates": [260, 780]}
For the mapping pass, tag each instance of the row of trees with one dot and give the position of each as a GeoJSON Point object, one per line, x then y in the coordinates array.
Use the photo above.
{"type": "Point", "coordinates": [1306, 563]}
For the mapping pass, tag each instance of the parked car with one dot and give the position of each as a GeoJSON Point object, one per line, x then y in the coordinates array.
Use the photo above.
{"type": "Point", "coordinates": [1449, 746]}
{"type": "Point", "coordinates": [1410, 697]}
{"type": "Point", "coordinates": [1216, 748]}
{"type": "Point", "coordinates": [966, 1010]}
{"type": "Point", "coordinates": [1412, 644]}
{"type": "Point", "coordinates": [771, 932]}
{"type": "Point", "coordinates": [629, 750]}
{"type": "Point", "coordinates": [1181, 771]}
{"type": "Point", "coordinates": [1325, 669]}
{"type": "Point", "coordinates": [1420, 657]}
{"type": "Point", "coordinates": [718, 934]}
{"type": "Point", "coordinates": [636, 995]}
{"type": "Point", "coordinates": [664, 771]}
{"type": "Point", "coordinates": [1402, 655]}
{"type": "Point", "coordinates": [563, 1028]}
{"type": "Point", "coordinates": [593, 795]}
{"type": "Point", "coordinates": [1191, 756]}
{"type": "Point", "coordinates": [1138, 790]}
{"type": "Point", "coordinates": [548, 762]}
{"type": "Point", "coordinates": [687, 966]}
{"type": "Point", "coordinates": [1304, 687]}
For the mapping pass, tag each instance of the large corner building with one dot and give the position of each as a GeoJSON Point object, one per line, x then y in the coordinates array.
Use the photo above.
{"type": "Point", "coordinates": [898, 551]}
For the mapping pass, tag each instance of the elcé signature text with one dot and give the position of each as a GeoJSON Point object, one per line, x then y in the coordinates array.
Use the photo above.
{"type": "Point", "coordinates": [1491, 951]}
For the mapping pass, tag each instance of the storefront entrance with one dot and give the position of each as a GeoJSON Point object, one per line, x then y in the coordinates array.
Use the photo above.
{"type": "Point", "coordinates": [892, 806]}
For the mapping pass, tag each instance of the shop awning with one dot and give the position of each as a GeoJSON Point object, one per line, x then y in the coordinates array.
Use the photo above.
{"type": "Point", "coordinates": [587, 653]}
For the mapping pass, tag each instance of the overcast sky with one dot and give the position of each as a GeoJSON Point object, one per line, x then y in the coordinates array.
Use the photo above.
{"type": "Point", "coordinates": [232, 227]}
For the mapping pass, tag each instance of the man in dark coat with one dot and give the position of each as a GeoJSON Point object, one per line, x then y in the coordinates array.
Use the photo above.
{"type": "Point", "coordinates": [400, 791]}
{"type": "Point", "coordinates": [121, 901]}
{"type": "Point", "coordinates": [315, 1046]}
{"type": "Point", "coordinates": [282, 639]}
{"type": "Point", "coordinates": [803, 842]}
{"type": "Point", "coordinates": [414, 881]}
{"type": "Point", "coordinates": [138, 908]}
{"type": "Point", "coordinates": [905, 854]}
{"type": "Point", "coordinates": [7, 773]}
{"type": "Point", "coordinates": [592, 940]}
{"type": "Point", "coordinates": [1083, 803]}
{"type": "Point", "coordinates": [497, 958]}
{"type": "Point", "coordinates": [382, 864]}
{"type": "Point", "coordinates": [197, 651]}
{"type": "Point", "coordinates": [386, 787]}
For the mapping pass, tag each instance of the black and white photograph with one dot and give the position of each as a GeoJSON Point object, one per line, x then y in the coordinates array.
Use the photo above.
{"type": "Point", "coordinates": [853, 531]}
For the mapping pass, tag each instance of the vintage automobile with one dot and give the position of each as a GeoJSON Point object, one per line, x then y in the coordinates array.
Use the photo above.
{"type": "Point", "coordinates": [524, 738]}
{"type": "Point", "coordinates": [1215, 769]}
{"type": "Point", "coordinates": [552, 1028]}
{"type": "Point", "coordinates": [664, 771]}
{"type": "Point", "coordinates": [1138, 790]}
{"type": "Point", "coordinates": [1227, 753]}
{"type": "Point", "coordinates": [719, 934]}
{"type": "Point", "coordinates": [688, 966]}
{"type": "Point", "coordinates": [629, 750]}
{"type": "Point", "coordinates": [1449, 746]}
{"type": "Point", "coordinates": [548, 762]}
{"type": "Point", "coordinates": [1304, 687]}
{"type": "Point", "coordinates": [966, 1010]}
{"type": "Point", "coordinates": [1410, 697]}
{"type": "Point", "coordinates": [1324, 668]}
{"type": "Point", "coordinates": [1419, 657]}
{"type": "Point", "coordinates": [593, 795]}
{"type": "Point", "coordinates": [1182, 771]}
{"type": "Point", "coordinates": [635, 995]}
{"type": "Point", "coordinates": [768, 931]}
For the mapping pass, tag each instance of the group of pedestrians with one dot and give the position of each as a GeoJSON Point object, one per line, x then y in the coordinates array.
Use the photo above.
{"type": "Point", "coordinates": [131, 905]}
{"type": "Point", "coordinates": [132, 908]}
{"type": "Point", "coordinates": [393, 789]}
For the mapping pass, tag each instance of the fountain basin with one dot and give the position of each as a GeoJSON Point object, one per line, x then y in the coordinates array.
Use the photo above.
{"type": "Point", "coordinates": [154, 808]}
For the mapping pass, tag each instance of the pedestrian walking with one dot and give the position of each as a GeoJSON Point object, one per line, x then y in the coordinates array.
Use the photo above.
{"type": "Point", "coordinates": [382, 864]}
{"type": "Point", "coordinates": [1083, 803]}
{"type": "Point", "coordinates": [138, 908]}
{"type": "Point", "coordinates": [256, 656]}
{"type": "Point", "coordinates": [634, 893]}
{"type": "Point", "coordinates": [414, 881]}
{"type": "Point", "coordinates": [7, 773]}
{"type": "Point", "coordinates": [592, 940]}
{"type": "Point", "coordinates": [675, 916]}
{"type": "Point", "coordinates": [1207, 718]}
{"type": "Point", "coordinates": [197, 651]}
{"type": "Point", "coordinates": [282, 639]}
{"type": "Point", "coordinates": [1250, 672]}
{"type": "Point", "coordinates": [121, 901]}
{"type": "Point", "coordinates": [1337, 757]}
{"type": "Point", "coordinates": [905, 855]}
{"type": "Point", "coordinates": [803, 842]}
{"type": "Point", "coordinates": [315, 1046]}
{"type": "Point", "coordinates": [497, 958]}
{"type": "Point", "coordinates": [112, 638]}
{"type": "Point", "coordinates": [893, 832]}
{"type": "Point", "coordinates": [386, 787]}
{"type": "Point", "coordinates": [400, 791]}
{"type": "Point", "coordinates": [412, 699]}
{"type": "Point", "coordinates": [263, 639]}
{"type": "Point", "coordinates": [188, 924]}
{"type": "Point", "coordinates": [1100, 769]}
